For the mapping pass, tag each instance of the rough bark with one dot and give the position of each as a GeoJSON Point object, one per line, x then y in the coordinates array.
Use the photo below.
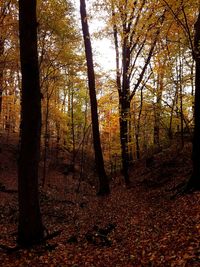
{"type": "Point", "coordinates": [103, 180]}
{"type": "Point", "coordinates": [30, 228]}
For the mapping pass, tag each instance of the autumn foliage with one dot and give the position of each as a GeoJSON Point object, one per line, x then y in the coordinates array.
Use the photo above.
{"type": "Point", "coordinates": [70, 128]}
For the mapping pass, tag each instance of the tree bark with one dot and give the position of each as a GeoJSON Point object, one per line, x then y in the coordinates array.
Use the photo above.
{"type": "Point", "coordinates": [137, 130]}
{"type": "Point", "coordinates": [124, 101]}
{"type": "Point", "coordinates": [124, 98]}
{"type": "Point", "coordinates": [157, 112]}
{"type": "Point", "coordinates": [103, 180]}
{"type": "Point", "coordinates": [46, 139]}
{"type": "Point", "coordinates": [1, 72]}
{"type": "Point", "coordinates": [30, 228]}
{"type": "Point", "coordinates": [124, 137]}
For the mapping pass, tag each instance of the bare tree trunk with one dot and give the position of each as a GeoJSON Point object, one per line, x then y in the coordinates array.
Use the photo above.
{"type": "Point", "coordinates": [194, 181]}
{"type": "Point", "coordinates": [1, 72]}
{"type": "Point", "coordinates": [181, 114]}
{"type": "Point", "coordinates": [73, 128]}
{"type": "Point", "coordinates": [46, 139]}
{"type": "Point", "coordinates": [124, 114]}
{"type": "Point", "coordinates": [30, 228]}
{"type": "Point", "coordinates": [158, 110]}
{"type": "Point", "coordinates": [138, 126]}
{"type": "Point", "coordinates": [170, 132]}
{"type": "Point", "coordinates": [83, 147]}
{"type": "Point", "coordinates": [3, 15]}
{"type": "Point", "coordinates": [179, 79]}
{"type": "Point", "coordinates": [103, 179]}
{"type": "Point", "coordinates": [124, 100]}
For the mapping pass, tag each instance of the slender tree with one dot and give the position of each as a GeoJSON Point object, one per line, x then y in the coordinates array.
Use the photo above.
{"type": "Point", "coordinates": [194, 182]}
{"type": "Point", "coordinates": [1, 72]}
{"type": "Point", "coordinates": [3, 8]}
{"type": "Point", "coordinates": [158, 102]}
{"type": "Point", "coordinates": [103, 180]}
{"type": "Point", "coordinates": [30, 228]}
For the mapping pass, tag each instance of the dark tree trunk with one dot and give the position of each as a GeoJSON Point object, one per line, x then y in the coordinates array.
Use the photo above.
{"type": "Point", "coordinates": [46, 139]}
{"type": "Point", "coordinates": [30, 228]}
{"type": "Point", "coordinates": [73, 127]}
{"type": "Point", "coordinates": [124, 101]}
{"type": "Point", "coordinates": [179, 89]}
{"type": "Point", "coordinates": [1, 72]}
{"type": "Point", "coordinates": [181, 114]}
{"type": "Point", "coordinates": [137, 130]}
{"type": "Point", "coordinates": [194, 182]}
{"type": "Point", "coordinates": [124, 114]}
{"type": "Point", "coordinates": [170, 132]}
{"type": "Point", "coordinates": [158, 111]}
{"type": "Point", "coordinates": [103, 180]}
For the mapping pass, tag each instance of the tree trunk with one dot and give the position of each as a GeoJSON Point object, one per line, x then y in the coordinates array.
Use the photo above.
{"type": "Point", "coordinates": [181, 114]}
{"type": "Point", "coordinates": [123, 91]}
{"type": "Point", "coordinates": [1, 73]}
{"type": "Point", "coordinates": [46, 139]}
{"type": "Point", "coordinates": [158, 110]}
{"type": "Point", "coordinates": [137, 130]}
{"type": "Point", "coordinates": [179, 89]}
{"type": "Point", "coordinates": [103, 180]}
{"type": "Point", "coordinates": [30, 228]}
{"type": "Point", "coordinates": [124, 102]}
{"type": "Point", "coordinates": [194, 182]}
{"type": "Point", "coordinates": [170, 131]}
{"type": "Point", "coordinates": [73, 127]}
{"type": "Point", "coordinates": [124, 114]}
{"type": "Point", "coordinates": [181, 97]}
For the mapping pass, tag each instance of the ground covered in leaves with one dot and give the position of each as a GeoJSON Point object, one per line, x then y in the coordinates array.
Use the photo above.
{"type": "Point", "coordinates": [149, 224]}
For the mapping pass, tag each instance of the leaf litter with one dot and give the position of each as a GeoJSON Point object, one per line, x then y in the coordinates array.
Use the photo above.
{"type": "Point", "coordinates": [139, 226]}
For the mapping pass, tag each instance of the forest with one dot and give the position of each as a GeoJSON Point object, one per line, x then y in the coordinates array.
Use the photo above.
{"type": "Point", "coordinates": [100, 133]}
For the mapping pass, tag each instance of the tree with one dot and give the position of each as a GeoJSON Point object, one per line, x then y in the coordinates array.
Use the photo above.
{"type": "Point", "coordinates": [136, 28]}
{"type": "Point", "coordinates": [194, 182]}
{"type": "Point", "coordinates": [3, 8]}
{"type": "Point", "coordinates": [103, 179]}
{"type": "Point", "coordinates": [30, 228]}
{"type": "Point", "coordinates": [1, 72]}
{"type": "Point", "coordinates": [184, 9]}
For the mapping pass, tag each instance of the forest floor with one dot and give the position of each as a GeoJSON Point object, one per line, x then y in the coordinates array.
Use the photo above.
{"type": "Point", "coordinates": [145, 225]}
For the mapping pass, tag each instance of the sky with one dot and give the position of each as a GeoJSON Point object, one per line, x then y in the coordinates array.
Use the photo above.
{"type": "Point", "coordinates": [103, 50]}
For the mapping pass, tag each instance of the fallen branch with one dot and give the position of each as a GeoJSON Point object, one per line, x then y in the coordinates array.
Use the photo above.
{"type": "Point", "coordinates": [52, 235]}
